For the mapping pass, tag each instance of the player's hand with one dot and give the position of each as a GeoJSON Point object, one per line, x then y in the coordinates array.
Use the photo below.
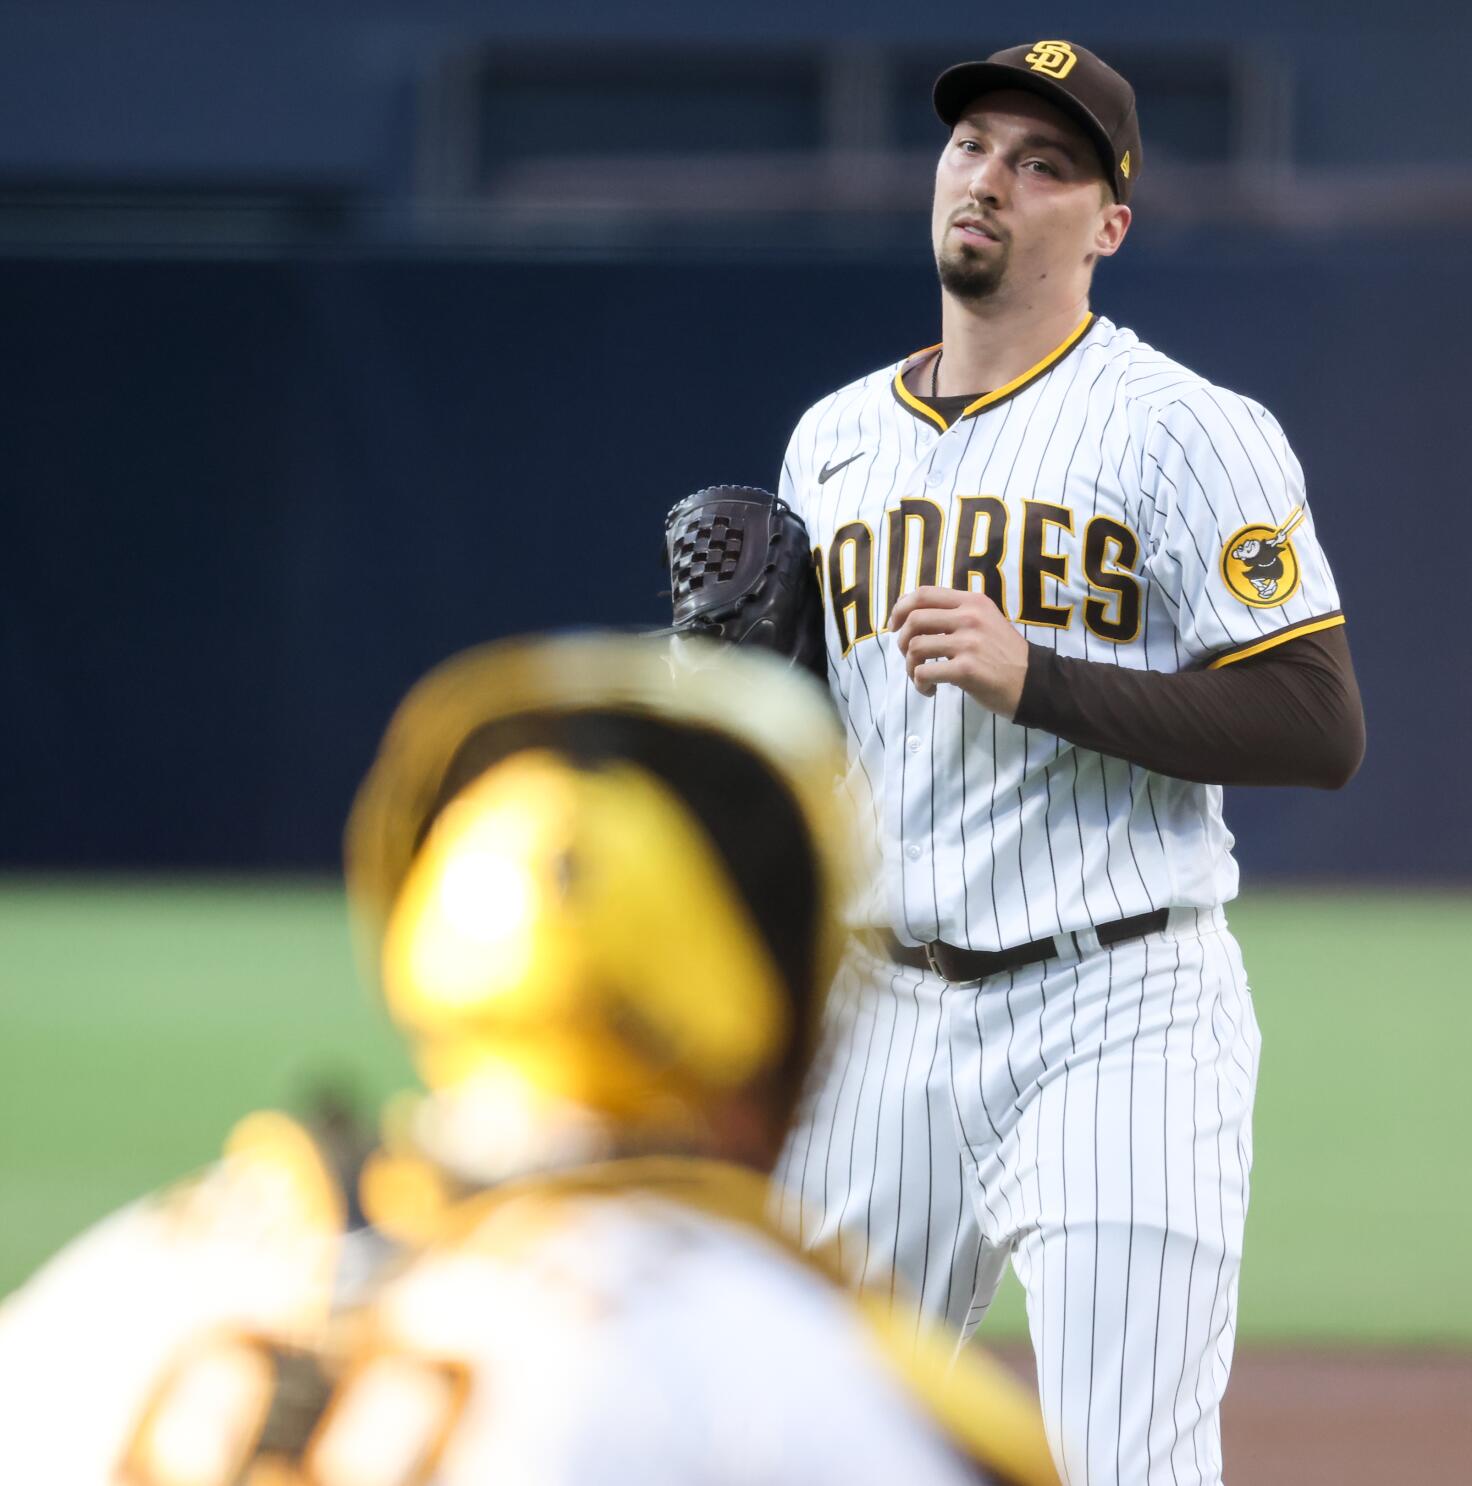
{"type": "Point", "coordinates": [963, 638]}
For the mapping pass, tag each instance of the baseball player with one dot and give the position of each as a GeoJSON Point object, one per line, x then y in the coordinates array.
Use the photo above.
{"type": "Point", "coordinates": [601, 903]}
{"type": "Point", "coordinates": [616, 899]}
{"type": "Point", "coordinates": [1071, 589]}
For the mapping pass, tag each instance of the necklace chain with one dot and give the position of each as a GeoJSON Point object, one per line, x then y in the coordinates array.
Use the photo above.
{"type": "Point", "coordinates": [935, 372]}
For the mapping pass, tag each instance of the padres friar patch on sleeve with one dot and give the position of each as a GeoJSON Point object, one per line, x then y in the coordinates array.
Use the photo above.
{"type": "Point", "coordinates": [1259, 564]}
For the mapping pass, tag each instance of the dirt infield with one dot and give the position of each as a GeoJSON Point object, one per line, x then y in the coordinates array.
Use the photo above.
{"type": "Point", "coordinates": [1298, 1417]}
{"type": "Point", "coordinates": [1352, 1418]}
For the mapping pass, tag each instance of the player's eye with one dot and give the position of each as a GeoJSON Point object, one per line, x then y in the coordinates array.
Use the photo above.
{"type": "Point", "coordinates": [1040, 167]}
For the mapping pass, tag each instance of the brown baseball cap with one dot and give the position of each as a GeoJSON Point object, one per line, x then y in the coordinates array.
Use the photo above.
{"type": "Point", "coordinates": [1073, 80]}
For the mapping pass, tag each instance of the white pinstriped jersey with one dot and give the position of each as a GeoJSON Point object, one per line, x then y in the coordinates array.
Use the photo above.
{"type": "Point", "coordinates": [1118, 508]}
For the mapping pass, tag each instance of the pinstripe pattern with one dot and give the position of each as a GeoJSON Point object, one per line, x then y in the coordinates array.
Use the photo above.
{"type": "Point", "coordinates": [992, 834]}
{"type": "Point", "coordinates": [1087, 1118]}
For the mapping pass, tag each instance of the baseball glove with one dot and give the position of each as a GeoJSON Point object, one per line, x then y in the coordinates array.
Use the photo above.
{"type": "Point", "coordinates": [741, 570]}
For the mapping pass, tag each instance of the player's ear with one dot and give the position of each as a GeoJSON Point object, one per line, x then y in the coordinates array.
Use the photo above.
{"type": "Point", "coordinates": [1114, 222]}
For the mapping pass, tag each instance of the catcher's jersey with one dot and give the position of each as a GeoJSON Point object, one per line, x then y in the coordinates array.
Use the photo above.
{"type": "Point", "coordinates": [572, 1330]}
{"type": "Point", "coordinates": [1118, 508]}
{"type": "Point", "coordinates": [622, 1337]}
{"type": "Point", "coordinates": [253, 1246]}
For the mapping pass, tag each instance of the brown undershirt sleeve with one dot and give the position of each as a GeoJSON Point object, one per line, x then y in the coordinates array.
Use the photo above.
{"type": "Point", "coordinates": [1290, 715]}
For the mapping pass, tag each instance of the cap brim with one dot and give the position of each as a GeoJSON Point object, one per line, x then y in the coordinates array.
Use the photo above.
{"type": "Point", "coordinates": [959, 86]}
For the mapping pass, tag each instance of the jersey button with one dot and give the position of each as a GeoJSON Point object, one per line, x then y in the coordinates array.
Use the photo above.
{"type": "Point", "coordinates": [912, 743]}
{"type": "Point", "coordinates": [913, 852]}
{"type": "Point", "coordinates": [935, 476]}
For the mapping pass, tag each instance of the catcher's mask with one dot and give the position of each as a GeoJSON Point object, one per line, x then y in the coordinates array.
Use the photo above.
{"type": "Point", "coordinates": [617, 882]}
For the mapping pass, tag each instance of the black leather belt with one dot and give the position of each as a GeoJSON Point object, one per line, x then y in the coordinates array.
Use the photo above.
{"type": "Point", "coordinates": [951, 963]}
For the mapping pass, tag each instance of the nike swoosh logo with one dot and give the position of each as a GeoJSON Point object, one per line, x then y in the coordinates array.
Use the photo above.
{"type": "Point", "coordinates": [827, 472]}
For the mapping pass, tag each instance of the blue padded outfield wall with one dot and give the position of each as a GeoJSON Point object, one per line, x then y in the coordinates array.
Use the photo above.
{"type": "Point", "coordinates": [247, 503]}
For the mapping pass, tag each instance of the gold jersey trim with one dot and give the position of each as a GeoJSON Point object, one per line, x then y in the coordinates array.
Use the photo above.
{"type": "Point", "coordinates": [1279, 637]}
{"type": "Point", "coordinates": [908, 398]}
{"type": "Point", "coordinates": [981, 1408]}
{"type": "Point", "coordinates": [987, 399]}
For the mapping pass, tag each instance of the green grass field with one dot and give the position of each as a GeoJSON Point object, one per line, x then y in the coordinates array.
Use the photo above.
{"type": "Point", "coordinates": [138, 1020]}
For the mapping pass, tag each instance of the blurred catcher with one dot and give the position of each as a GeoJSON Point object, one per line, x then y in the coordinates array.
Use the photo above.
{"type": "Point", "coordinates": [600, 902]}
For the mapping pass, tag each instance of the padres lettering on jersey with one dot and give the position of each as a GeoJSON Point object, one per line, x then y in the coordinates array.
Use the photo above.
{"type": "Point", "coordinates": [1119, 508]}
{"type": "Point", "coordinates": [916, 538]}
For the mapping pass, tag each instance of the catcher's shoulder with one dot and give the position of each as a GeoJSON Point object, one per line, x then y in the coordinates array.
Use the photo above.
{"type": "Point", "coordinates": [272, 1182]}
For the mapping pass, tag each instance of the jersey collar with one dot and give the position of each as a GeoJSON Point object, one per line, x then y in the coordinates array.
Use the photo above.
{"type": "Point", "coordinates": [987, 399]}
{"type": "Point", "coordinates": [733, 1194]}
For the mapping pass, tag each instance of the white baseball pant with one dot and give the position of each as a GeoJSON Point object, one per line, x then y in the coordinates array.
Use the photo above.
{"type": "Point", "coordinates": [1088, 1117]}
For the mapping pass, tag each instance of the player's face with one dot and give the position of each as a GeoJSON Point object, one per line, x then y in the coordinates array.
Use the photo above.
{"type": "Point", "coordinates": [1020, 198]}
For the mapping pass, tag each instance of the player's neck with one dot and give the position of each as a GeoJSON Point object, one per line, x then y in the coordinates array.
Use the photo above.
{"type": "Point", "coordinates": [990, 343]}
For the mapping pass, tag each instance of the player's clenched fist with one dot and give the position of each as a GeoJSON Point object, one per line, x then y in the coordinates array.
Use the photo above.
{"type": "Point", "coordinates": [947, 635]}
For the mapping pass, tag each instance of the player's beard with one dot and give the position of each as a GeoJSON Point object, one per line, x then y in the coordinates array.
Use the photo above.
{"type": "Point", "coordinates": [967, 276]}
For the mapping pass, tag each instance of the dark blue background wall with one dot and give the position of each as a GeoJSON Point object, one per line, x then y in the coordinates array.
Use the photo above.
{"type": "Point", "coordinates": [318, 92]}
{"type": "Point", "coordinates": [246, 504]}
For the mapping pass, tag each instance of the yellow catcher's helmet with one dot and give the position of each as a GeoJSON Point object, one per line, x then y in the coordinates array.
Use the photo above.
{"type": "Point", "coordinates": [616, 879]}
